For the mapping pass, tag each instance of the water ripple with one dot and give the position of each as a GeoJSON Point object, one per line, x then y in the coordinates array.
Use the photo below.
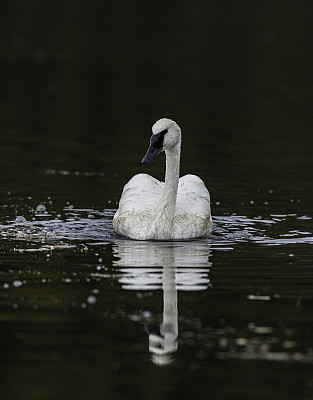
{"type": "Point", "coordinates": [81, 224]}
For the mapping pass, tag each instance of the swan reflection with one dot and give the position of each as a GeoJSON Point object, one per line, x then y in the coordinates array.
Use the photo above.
{"type": "Point", "coordinates": [170, 266]}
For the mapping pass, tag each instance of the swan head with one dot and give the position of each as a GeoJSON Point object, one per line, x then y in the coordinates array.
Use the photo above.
{"type": "Point", "coordinates": [166, 134]}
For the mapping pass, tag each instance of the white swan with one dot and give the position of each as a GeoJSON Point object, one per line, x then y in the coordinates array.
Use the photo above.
{"type": "Point", "coordinates": [175, 209]}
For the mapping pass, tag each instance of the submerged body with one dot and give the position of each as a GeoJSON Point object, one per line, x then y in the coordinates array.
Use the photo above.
{"type": "Point", "coordinates": [175, 209]}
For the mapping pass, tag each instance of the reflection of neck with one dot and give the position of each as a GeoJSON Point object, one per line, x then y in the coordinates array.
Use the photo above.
{"type": "Point", "coordinates": [169, 328]}
{"type": "Point", "coordinates": [164, 345]}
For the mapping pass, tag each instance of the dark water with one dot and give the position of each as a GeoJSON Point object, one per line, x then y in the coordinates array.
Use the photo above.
{"type": "Point", "coordinates": [86, 314]}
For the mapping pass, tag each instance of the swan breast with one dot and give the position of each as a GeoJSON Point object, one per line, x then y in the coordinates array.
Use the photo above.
{"type": "Point", "coordinates": [141, 196]}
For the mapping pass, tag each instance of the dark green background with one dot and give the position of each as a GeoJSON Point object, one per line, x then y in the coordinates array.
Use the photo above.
{"type": "Point", "coordinates": [82, 83]}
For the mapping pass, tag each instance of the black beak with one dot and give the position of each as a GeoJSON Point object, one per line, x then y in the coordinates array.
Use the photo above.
{"type": "Point", "coordinates": [150, 155]}
{"type": "Point", "coordinates": [156, 146]}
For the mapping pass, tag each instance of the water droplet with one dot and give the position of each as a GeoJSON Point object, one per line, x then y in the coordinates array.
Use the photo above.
{"type": "Point", "coordinates": [223, 342]}
{"type": "Point", "coordinates": [41, 208]}
{"type": "Point", "coordinates": [147, 314]}
{"type": "Point", "coordinates": [20, 220]}
{"type": "Point", "coordinates": [91, 300]}
{"type": "Point", "coordinates": [90, 216]}
{"type": "Point", "coordinates": [258, 297]}
{"type": "Point", "coordinates": [288, 344]}
{"type": "Point", "coordinates": [17, 283]}
{"type": "Point", "coordinates": [241, 341]}
{"type": "Point", "coordinates": [6, 286]}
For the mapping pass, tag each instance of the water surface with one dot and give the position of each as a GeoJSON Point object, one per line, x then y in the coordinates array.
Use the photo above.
{"type": "Point", "coordinates": [88, 314]}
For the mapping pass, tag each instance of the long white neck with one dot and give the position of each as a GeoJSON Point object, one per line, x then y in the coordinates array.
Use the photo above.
{"type": "Point", "coordinates": [171, 180]}
{"type": "Point", "coordinates": [162, 226]}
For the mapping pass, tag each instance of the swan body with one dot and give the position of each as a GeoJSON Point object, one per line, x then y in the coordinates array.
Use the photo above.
{"type": "Point", "coordinates": [175, 209]}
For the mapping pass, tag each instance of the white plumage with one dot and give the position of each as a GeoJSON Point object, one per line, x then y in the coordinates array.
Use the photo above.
{"type": "Point", "coordinates": [175, 209]}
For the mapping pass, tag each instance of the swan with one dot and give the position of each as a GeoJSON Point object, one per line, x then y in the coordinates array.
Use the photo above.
{"type": "Point", "coordinates": [179, 208]}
